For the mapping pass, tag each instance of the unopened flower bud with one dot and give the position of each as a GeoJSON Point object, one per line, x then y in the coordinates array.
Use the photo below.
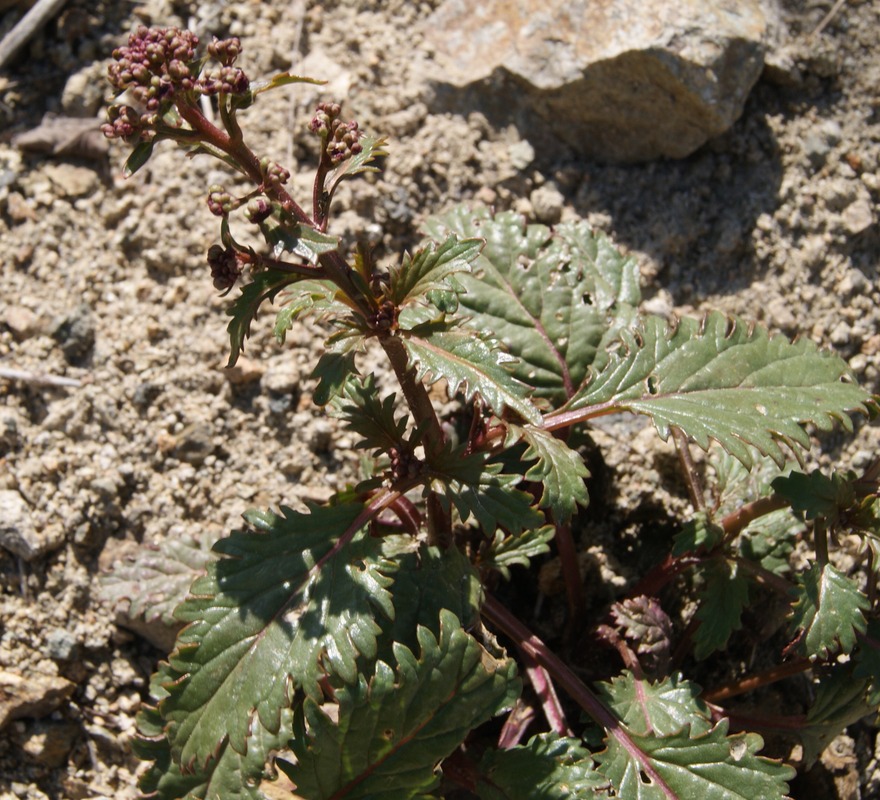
{"type": "Point", "coordinates": [258, 210]}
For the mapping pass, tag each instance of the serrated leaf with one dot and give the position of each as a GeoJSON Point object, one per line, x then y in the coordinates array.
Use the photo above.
{"type": "Point", "coordinates": [301, 240]}
{"type": "Point", "coordinates": [431, 269]}
{"type": "Point", "coordinates": [829, 611]}
{"type": "Point", "coordinates": [388, 734]}
{"type": "Point", "coordinates": [770, 541]}
{"type": "Point", "coordinates": [265, 286]}
{"type": "Point", "coordinates": [507, 550]}
{"type": "Point", "coordinates": [428, 580]}
{"type": "Point", "coordinates": [290, 602]}
{"type": "Point", "coordinates": [373, 418]}
{"type": "Point", "coordinates": [644, 623]}
{"type": "Point", "coordinates": [138, 157]}
{"type": "Point", "coordinates": [661, 708]}
{"type": "Point", "coordinates": [158, 578]}
{"type": "Point", "coordinates": [840, 701]}
{"type": "Point", "coordinates": [471, 365]}
{"type": "Point", "coordinates": [332, 372]}
{"type": "Point", "coordinates": [867, 661]}
{"type": "Point", "coordinates": [722, 597]}
{"type": "Point", "coordinates": [229, 775]}
{"type": "Point", "coordinates": [548, 767]}
{"type": "Point", "coordinates": [683, 767]}
{"type": "Point", "coordinates": [817, 495]}
{"type": "Point", "coordinates": [725, 381]}
{"type": "Point", "coordinates": [480, 489]}
{"type": "Point", "coordinates": [372, 147]}
{"type": "Point", "coordinates": [306, 297]}
{"type": "Point", "coordinates": [552, 297]}
{"type": "Point", "coordinates": [699, 533]}
{"type": "Point", "coordinates": [560, 469]}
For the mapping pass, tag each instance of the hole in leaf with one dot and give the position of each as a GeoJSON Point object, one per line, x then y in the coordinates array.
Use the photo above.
{"type": "Point", "coordinates": [651, 384]}
{"type": "Point", "coordinates": [587, 299]}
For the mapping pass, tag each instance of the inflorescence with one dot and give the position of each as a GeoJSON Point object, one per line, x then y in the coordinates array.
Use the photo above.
{"type": "Point", "coordinates": [159, 66]}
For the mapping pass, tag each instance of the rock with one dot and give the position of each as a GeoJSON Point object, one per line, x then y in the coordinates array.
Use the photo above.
{"type": "Point", "coordinates": [244, 372]}
{"type": "Point", "coordinates": [858, 216]}
{"type": "Point", "coordinates": [621, 80]}
{"type": "Point", "coordinates": [194, 443]}
{"type": "Point", "coordinates": [71, 180]}
{"type": "Point", "coordinates": [75, 332]}
{"type": "Point", "coordinates": [547, 202]}
{"type": "Point", "coordinates": [49, 743]}
{"type": "Point", "coordinates": [22, 322]}
{"type": "Point", "coordinates": [36, 697]}
{"type": "Point", "coordinates": [18, 534]}
{"type": "Point", "coordinates": [61, 644]}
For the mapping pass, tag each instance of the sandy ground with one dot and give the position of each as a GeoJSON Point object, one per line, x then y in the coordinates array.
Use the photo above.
{"type": "Point", "coordinates": [105, 282]}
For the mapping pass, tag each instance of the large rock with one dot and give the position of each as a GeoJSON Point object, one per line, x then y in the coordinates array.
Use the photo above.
{"type": "Point", "coordinates": [623, 80]}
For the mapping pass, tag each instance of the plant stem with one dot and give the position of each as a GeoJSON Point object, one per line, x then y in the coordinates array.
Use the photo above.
{"type": "Point", "coordinates": [695, 490]}
{"type": "Point", "coordinates": [752, 682]}
{"type": "Point", "coordinates": [565, 419]}
{"type": "Point", "coordinates": [571, 574]}
{"type": "Point", "coordinates": [498, 615]}
{"type": "Point", "coordinates": [735, 522]}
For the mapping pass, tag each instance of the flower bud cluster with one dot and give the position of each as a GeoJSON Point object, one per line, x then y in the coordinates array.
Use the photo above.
{"type": "Point", "coordinates": [229, 80]}
{"type": "Point", "coordinates": [155, 65]}
{"type": "Point", "coordinates": [225, 51]}
{"type": "Point", "coordinates": [258, 210]}
{"type": "Point", "coordinates": [341, 137]}
{"type": "Point", "coordinates": [274, 175]}
{"type": "Point", "coordinates": [159, 65]}
{"type": "Point", "coordinates": [225, 267]}
{"type": "Point", "coordinates": [220, 202]}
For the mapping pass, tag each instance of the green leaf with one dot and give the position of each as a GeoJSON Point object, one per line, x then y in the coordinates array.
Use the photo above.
{"type": "Point", "coordinates": [548, 767]}
{"type": "Point", "coordinates": [469, 364]}
{"type": "Point", "coordinates": [683, 767]}
{"type": "Point", "coordinates": [306, 296]}
{"type": "Point", "coordinates": [699, 533]}
{"type": "Point", "coordinates": [431, 269]}
{"type": "Point", "coordinates": [388, 735]}
{"type": "Point", "coordinates": [228, 776]}
{"type": "Point", "coordinates": [301, 240]}
{"type": "Point", "coordinates": [723, 596]}
{"type": "Point", "coordinates": [158, 578]}
{"type": "Point", "coordinates": [428, 580]}
{"type": "Point", "coordinates": [372, 147]}
{"type": "Point", "coordinates": [559, 468]}
{"type": "Point", "coordinates": [138, 157]}
{"type": "Point", "coordinates": [829, 611]}
{"type": "Point", "coordinates": [645, 624]}
{"type": "Point", "coordinates": [663, 708]}
{"type": "Point", "coordinates": [332, 371]}
{"type": "Point", "coordinates": [554, 298]}
{"type": "Point", "coordinates": [265, 286]}
{"type": "Point", "coordinates": [480, 489]}
{"type": "Point", "coordinates": [840, 701]}
{"type": "Point", "coordinates": [506, 551]}
{"type": "Point", "coordinates": [289, 602]}
{"type": "Point", "coordinates": [867, 661]}
{"type": "Point", "coordinates": [282, 79]}
{"type": "Point", "coordinates": [371, 417]}
{"type": "Point", "coordinates": [723, 380]}
{"type": "Point", "coordinates": [815, 495]}
{"type": "Point", "coordinates": [770, 541]}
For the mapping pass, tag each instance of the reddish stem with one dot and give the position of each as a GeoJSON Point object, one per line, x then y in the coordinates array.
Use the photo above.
{"type": "Point", "coordinates": [752, 682]}
{"type": "Point", "coordinates": [498, 615]}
